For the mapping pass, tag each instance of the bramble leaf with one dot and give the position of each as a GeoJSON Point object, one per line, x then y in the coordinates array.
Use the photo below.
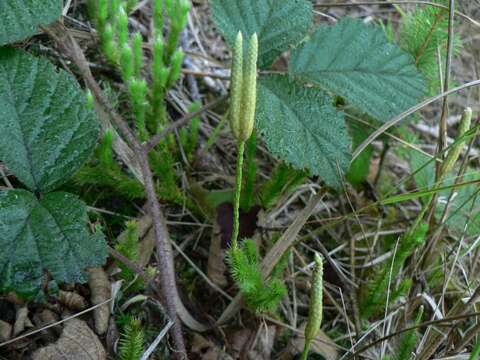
{"type": "Point", "coordinates": [48, 131]}
{"type": "Point", "coordinates": [278, 24]}
{"type": "Point", "coordinates": [301, 126]}
{"type": "Point", "coordinates": [21, 18]}
{"type": "Point", "coordinates": [46, 234]}
{"type": "Point", "coordinates": [355, 60]}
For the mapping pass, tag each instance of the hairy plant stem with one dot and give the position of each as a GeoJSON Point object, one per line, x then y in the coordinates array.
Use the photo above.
{"type": "Point", "coordinates": [238, 191]}
{"type": "Point", "coordinates": [164, 254]}
{"type": "Point", "coordinates": [70, 47]}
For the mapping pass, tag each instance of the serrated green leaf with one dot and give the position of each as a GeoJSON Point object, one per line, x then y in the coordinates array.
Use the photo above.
{"type": "Point", "coordinates": [278, 24]}
{"type": "Point", "coordinates": [301, 126]}
{"type": "Point", "coordinates": [355, 61]}
{"type": "Point", "coordinates": [21, 18]}
{"type": "Point", "coordinates": [47, 234]}
{"type": "Point", "coordinates": [47, 130]}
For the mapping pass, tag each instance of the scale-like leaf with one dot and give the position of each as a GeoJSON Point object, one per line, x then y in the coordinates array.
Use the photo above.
{"type": "Point", "coordinates": [47, 234]}
{"type": "Point", "coordinates": [355, 61]}
{"type": "Point", "coordinates": [301, 126]}
{"type": "Point", "coordinates": [278, 24]}
{"type": "Point", "coordinates": [47, 130]}
{"type": "Point", "coordinates": [21, 18]}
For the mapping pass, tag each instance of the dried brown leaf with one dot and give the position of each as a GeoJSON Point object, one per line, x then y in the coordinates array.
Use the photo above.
{"type": "Point", "coordinates": [145, 248]}
{"type": "Point", "coordinates": [47, 317]}
{"type": "Point", "coordinates": [254, 345]}
{"type": "Point", "coordinates": [77, 342]}
{"type": "Point", "coordinates": [204, 349]}
{"type": "Point", "coordinates": [216, 259]}
{"type": "Point", "coordinates": [21, 321]}
{"type": "Point", "coordinates": [100, 292]}
{"type": "Point", "coordinates": [72, 300]}
{"type": "Point", "coordinates": [5, 331]}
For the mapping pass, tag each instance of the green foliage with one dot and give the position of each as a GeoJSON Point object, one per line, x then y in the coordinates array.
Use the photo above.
{"type": "Point", "coordinates": [105, 172]}
{"type": "Point", "coordinates": [22, 18]}
{"type": "Point", "coordinates": [475, 354]}
{"type": "Point", "coordinates": [409, 340]}
{"type": "Point", "coordinates": [128, 245]}
{"type": "Point", "coordinates": [464, 208]}
{"type": "Point", "coordinates": [189, 134]}
{"type": "Point", "coordinates": [132, 340]}
{"type": "Point", "coordinates": [424, 33]}
{"type": "Point", "coordinates": [351, 59]}
{"type": "Point", "coordinates": [423, 169]}
{"type": "Point", "coordinates": [177, 11]}
{"type": "Point", "coordinates": [283, 179]}
{"type": "Point", "coordinates": [48, 131]}
{"type": "Point", "coordinates": [125, 51]}
{"type": "Point", "coordinates": [300, 125]}
{"type": "Point", "coordinates": [146, 98]}
{"type": "Point", "coordinates": [44, 234]}
{"type": "Point", "coordinates": [360, 167]}
{"type": "Point", "coordinates": [278, 24]}
{"type": "Point", "coordinates": [130, 5]}
{"type": "Point", "coordinates": [375, 297]}
{"type": "Point", "coordinates": [162, 162]}
{"type": "Point", "coordinates": [244, 264]}
{"type": "Point", "coordinates": [355, 61]}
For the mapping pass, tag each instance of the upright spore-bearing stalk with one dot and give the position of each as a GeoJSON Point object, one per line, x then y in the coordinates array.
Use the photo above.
{"type": "Point", "coordinates": [242, 111]}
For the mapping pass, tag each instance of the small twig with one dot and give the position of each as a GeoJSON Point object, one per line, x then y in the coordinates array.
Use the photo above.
{"type": "Point", "coordinates": [155, 140]}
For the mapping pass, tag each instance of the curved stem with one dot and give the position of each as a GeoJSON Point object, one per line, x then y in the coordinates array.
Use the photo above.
{"type": "Point", "coordinates": [238, 190]}
{"type": "Point", "coordinates": [305, 351]}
